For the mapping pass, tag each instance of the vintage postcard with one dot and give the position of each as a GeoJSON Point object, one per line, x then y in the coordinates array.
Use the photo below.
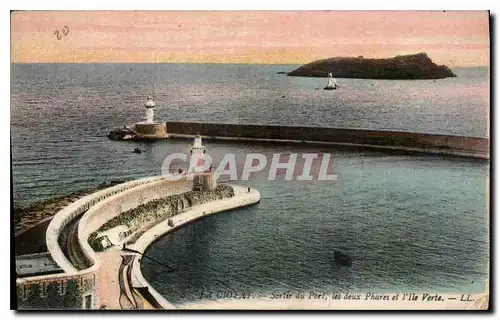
{"type": "Point", "coordinates": [260, 160]}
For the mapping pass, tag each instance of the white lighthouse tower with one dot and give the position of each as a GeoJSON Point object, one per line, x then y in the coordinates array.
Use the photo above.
{"type": "Point", "coordinates": [150, 129]}
{"type": "Point", "coordinates": [202, 180]}
{"type": "Point", "coordinates": [150, 110]}
{"type": "Point", "coordinates": [197, 153]}
{"type": "Point", "coordinates": [197, 146]}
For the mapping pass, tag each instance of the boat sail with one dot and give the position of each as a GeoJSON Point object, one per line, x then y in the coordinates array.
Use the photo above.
{"type": "Point", "coordinates": [332, 85]}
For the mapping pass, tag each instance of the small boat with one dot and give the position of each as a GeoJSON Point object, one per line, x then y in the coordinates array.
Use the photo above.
{"type": "Point", "coordinates": [341, 259]}
{"type": "Point", "coordinates": [332, 85]}
{"type": "Point", "coordinates": [137, 150]}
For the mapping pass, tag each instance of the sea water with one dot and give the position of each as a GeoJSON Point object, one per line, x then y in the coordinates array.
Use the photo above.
{"type": "Point", "coordinates": [416, 222]}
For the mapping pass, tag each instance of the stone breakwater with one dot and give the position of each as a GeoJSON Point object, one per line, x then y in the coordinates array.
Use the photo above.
{"type": "Point", "coordinates": [100, 284]}
{"type": "Point", "coordinates": [160, 209]}
{"type": "Point", "coordinates": [92, 287]}
{"type": "Point", "coordinates": [383, 140]}
{"type": "Point", "coordinates": [390, 141]}
{"type": "Point", "coordinates": [243, 196]}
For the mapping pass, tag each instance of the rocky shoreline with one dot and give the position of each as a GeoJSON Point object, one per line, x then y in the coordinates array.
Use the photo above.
{"type": "Point", "coordinates": [403, 67]}
{"type": "Point", "coordinates": [30, 223]}
{"type": "Point", "coordinates": [26, 218]}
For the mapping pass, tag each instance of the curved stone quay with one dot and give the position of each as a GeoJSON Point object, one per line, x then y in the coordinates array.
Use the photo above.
{"type": "Point", "coordinates": [109, 277]}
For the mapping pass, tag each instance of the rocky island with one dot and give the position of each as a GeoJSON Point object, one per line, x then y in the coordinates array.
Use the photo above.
{"type": "Point", "coordinates": [415, 66]}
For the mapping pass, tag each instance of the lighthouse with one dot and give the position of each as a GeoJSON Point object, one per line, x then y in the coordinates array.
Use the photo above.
{"type": "Point", "coordinates": [197, 153]}
{"type": "Point", "coordinates": [197, 146]}
{"type": "Point", "coordinates": [150, 110]}
{"type": "Point", "coordinates": [202, 180]}
{"type": "Point", "coordinates": [149, 129]}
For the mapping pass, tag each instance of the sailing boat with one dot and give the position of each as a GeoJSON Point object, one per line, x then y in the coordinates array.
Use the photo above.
{"type": "Point", "coordinates": [332, 85]}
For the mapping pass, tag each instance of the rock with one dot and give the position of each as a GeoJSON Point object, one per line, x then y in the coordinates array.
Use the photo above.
{"type": "Point", "coordinates": [281, 72]}
{"type": "Point", "coordinates": [415, 66]}
{"type": "Point", "coordinates": [122, 134]}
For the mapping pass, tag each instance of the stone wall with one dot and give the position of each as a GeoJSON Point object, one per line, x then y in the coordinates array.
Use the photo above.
{"type": "Point", "coordinates": [243, 196]}
{"type": "Point", "coordinates": [458, 144]}
{"type": "Point", "coordinates": [159, 209]}
{"type": "Point", "coordinates": [58, 292]}
{"type": "Point", "coordinates": [73, 286]}
{"type": "Point", "coordinates": [112, 207]}
{"type": "Point", "coordinates": [87, 289]}
{"type": "Point", "coordinates": [68, 213]}
{"type": "Point", "coordinates": [157, 130]}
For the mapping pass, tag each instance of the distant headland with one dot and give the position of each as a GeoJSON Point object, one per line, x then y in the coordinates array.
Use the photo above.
{"type": "Point", "coordinates": [414, 66]}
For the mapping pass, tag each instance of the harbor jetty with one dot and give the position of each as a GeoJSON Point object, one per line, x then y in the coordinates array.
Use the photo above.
{"type": "Point", "coordinates": [384, 140]}
{"type": "Point", "coordinates": [94, 245]}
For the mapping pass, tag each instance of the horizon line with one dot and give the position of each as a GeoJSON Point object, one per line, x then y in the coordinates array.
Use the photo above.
{"type": "Point", "coordinates": [215, 62]}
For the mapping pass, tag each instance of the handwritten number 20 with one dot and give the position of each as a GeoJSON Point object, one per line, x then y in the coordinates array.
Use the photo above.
{"type": "Point", "coordinates": [59, 35]}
